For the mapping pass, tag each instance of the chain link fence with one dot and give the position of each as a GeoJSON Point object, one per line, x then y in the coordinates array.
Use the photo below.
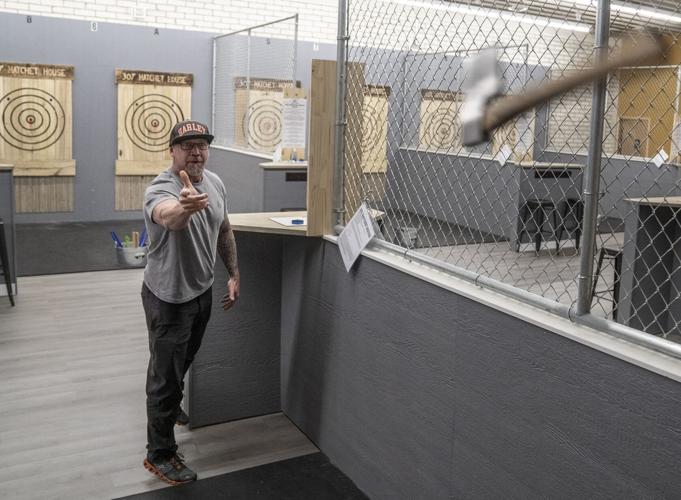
{"type": "Point", "coordinates": [251, 69]}
{"type": "Point", "coordinates": [518, 208]}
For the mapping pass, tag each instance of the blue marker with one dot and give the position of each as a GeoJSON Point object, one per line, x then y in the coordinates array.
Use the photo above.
{"type": "Point", "coordinates": [297, 221]}
{"type": "Point", "coordinates": [143, 238]}
{"type": "Point", "coordinates": [114, 237]}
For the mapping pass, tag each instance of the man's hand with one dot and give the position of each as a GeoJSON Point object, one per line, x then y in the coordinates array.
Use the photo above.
{"type": "Point", "coordinates": [232, 293]}
{"type": "Point", "coordinates": [190, 199]}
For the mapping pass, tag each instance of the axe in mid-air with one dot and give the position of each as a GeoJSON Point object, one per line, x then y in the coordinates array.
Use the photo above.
{"type": "Point", "coordinates": [480, 116]}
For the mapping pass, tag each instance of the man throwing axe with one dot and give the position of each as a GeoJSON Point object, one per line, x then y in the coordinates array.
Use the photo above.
{"type": "Point", "coordinates": [186, 219]}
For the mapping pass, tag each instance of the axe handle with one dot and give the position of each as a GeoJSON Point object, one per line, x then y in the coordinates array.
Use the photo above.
{"type": "Point", "coordinates": [503, 110]}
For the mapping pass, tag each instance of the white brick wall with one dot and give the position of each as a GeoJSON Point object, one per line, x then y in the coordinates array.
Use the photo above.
{"type": "Point", "coordinates": [317, 19]}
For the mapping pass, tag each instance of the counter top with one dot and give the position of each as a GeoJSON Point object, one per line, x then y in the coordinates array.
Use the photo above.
{"type": "Point", "coordinates": [261, 223]}
{"type": "Point", "coordinates": [664, 201]}
{"type": "Point", "coordinates": [284, 165]}
{"type": "Point", "coordinates": [550, 166]}
{"type": "Point", "coordinates": [5, 166]}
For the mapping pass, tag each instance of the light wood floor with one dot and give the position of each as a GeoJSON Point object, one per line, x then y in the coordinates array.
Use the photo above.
{"type": "Point", "coordinates": [73, 358]}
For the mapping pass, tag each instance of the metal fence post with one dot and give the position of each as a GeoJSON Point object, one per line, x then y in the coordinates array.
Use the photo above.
{"type": "Point", "coordinates": [592, 176]}
{"type": "Point", "coordinates": [295, 51]}
{"type": "Point", "coordinates": [338, 163]}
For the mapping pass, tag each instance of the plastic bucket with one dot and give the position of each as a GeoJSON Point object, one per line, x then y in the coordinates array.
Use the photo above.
{"type": "Point", "coordinates": [132, 256]}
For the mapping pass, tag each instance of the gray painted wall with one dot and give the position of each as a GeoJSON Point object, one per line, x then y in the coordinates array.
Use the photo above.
{"type": "Point", "coordinates": [95, 56]}
{"type": "Point", "coordinates": [416, 392]}
{"type": "Point", "coordinates": [236, 372]}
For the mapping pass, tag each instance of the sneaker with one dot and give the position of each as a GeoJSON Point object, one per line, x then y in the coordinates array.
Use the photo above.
{"type": "Point", "coordinates": [172, 470]}
{"type": "Point", "coordinates": [182, 418]}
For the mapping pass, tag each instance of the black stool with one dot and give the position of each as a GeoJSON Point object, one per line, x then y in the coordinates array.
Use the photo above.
{"type": "Point", "coordinates": [533, 215]}
{"type": "Point", "coordinates": [611, 294]}
{"type": "Point", "coordinates": [573, 213]}
{"type": "Point", "coordinates": [4, 262]}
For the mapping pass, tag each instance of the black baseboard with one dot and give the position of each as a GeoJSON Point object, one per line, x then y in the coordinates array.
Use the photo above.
{"type": "Point", "coordinates": [70, 247]}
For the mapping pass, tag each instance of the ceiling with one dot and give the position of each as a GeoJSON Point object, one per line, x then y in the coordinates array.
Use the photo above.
{"type": "Point", "coordinates": [577, 11]}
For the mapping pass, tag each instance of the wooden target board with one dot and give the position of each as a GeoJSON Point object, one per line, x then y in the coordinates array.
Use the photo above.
{"type": "Point", "coordinates": [439, 127]}
{"type": "Point", "coordinates": [518, 134]}
{"type": "Point", "coordinates": [375, 129]}
{"type": "Point", "coordinates": [149, 104]}
{"type": "Point", "coordinates": [258, 112]}
{"type": "Point", "coordinates": [36, 119]}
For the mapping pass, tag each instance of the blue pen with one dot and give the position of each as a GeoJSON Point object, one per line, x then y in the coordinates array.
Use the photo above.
{"type": "Point", "coordinates": [143, 237]}
{"type": "Point", "coordinates": [297, 221]}
{"type": "Point", "coordinates": [114, 237]}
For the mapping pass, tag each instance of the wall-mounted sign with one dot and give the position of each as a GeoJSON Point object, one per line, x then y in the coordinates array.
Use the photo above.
{"type": "Point", "coordinates": [51, 71]}
{"type": "Point", "coordinates": [154, 78]}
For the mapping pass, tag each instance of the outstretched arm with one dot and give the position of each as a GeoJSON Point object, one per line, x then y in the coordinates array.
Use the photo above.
{"type": "Point", "coordinates": [175, 214]}
{"type": "Point", "coordinates": [227, 252]}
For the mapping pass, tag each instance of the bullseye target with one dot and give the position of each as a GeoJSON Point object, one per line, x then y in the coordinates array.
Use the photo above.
{"type": "Point", "coordinates": [372, 126]}
{"type": "Point", "coordinates": [32, 119]}
{"type": "Point", "coordinates": [440, 128]}
{"type": "Point", "coordinates": [149, 120]}
{"type": "Point", "coordinates": [262, 124]}
{"type": "Point", "coordinates": [375, 130]}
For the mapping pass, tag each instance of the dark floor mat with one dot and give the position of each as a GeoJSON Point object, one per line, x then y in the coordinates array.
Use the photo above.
{"type": "Point", "coordinates": [69, 247]}
{"type": "Point", "coordinates": [310, 477]}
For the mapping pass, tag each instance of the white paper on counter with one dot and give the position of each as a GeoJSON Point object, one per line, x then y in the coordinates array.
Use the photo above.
{"type": "Point", "coordinates": [288, 221]}
{"type": "Point", "coordinates": [355, 236]}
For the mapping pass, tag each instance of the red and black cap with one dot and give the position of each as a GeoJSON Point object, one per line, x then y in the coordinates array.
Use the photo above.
{"type": "Point", "coordinates": [189, 129]}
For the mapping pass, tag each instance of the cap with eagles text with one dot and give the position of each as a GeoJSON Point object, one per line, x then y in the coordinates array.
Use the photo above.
{"type": "Point", "coordinates": [189, 129]}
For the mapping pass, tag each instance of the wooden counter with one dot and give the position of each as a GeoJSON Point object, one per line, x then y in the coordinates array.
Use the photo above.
{"type": "Point", "coordinates": [662, 201]}
{"type": "Point", "coordinates": [261, 223]}
{"type": "Point", "coordinates": [7, 211]}
{"type": "Point", "coordinates": [284, 165]}
{"type": "Point", "coordinates": [651, 275]}
{"type": "Point", "coordinates": [550, 166]}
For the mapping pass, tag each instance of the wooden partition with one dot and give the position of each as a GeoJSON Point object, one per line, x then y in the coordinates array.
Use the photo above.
{"type": "Point", "coordinates": [320, 162]}
{"type": "Point", "coordinates": [320, 189]}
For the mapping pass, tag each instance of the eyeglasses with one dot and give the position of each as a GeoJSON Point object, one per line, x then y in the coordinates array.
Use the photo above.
{"type": "Point", "coordinates": [189, 146]}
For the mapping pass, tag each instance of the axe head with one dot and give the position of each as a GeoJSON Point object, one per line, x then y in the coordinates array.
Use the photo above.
{"type": "Point", "coordinates": [482, 83]}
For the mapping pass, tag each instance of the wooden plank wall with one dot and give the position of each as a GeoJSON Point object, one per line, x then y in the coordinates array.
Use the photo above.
{"type": "Point", "coordinates": [130, 191]}
{"type": "Point", "coordinates": [43, 194]}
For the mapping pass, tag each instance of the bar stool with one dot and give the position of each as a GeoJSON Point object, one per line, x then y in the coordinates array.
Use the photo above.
{"type": "Point", "coordinates": [4, 262]}
{"type": "Point", "coordinates": [612, 294]}
{"type": "Point", "coordinates": [573, 212]}
{"type": "Point", "coordinates": [533, 216]}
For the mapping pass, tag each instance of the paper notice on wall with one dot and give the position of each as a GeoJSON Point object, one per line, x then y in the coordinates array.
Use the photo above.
{"type": "Point", "coordinates": [505, 152]}
{"type": "Point", "coordinates": [355, 236]}
{"type": "Point", "coordinates": [294, 118]}
{"type": "Point", "coordinates": [660, 158]}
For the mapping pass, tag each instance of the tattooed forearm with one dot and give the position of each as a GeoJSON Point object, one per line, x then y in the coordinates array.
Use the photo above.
{"type": "Point", "coordinates": [227, 248]}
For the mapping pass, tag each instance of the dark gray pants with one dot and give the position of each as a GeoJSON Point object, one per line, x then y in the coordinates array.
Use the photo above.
{"type": "Point", "coordinates": [175, 333]}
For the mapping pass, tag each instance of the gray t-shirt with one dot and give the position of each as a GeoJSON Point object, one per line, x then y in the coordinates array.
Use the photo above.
{"type": "Point", "coordinates": [180, 264]}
